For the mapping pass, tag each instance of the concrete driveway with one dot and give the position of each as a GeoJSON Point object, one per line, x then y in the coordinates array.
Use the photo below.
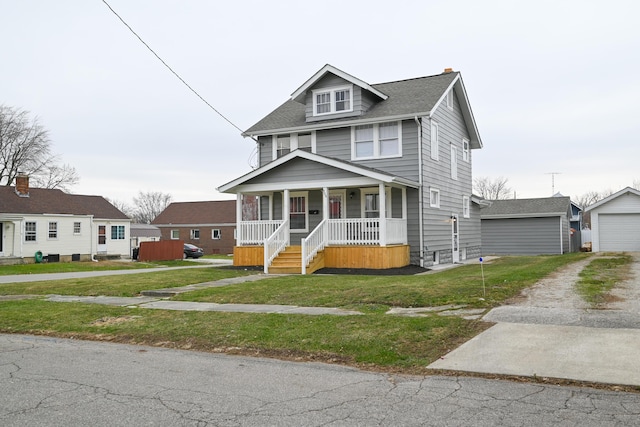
{"type": "Point", "coordinates": [550, 332]}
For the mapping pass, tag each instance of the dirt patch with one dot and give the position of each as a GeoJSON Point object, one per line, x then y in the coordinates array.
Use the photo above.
{"type": "Point", "coordinates": [107, 321]}
{"type": "Point", "coordinates": [409, 270]}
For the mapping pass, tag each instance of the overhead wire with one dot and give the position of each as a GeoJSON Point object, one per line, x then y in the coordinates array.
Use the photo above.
{"type": "Point", "coordinates": [171, 69]}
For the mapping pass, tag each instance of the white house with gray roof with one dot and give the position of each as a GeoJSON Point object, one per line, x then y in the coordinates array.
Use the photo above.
{"type": "Point", "coordinates": [358, 175]}
{"type": "Point", "coordinates": [527, 226]}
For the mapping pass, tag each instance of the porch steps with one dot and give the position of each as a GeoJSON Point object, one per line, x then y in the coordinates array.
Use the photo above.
{"type": "Point", "coordinates": [289, 261]}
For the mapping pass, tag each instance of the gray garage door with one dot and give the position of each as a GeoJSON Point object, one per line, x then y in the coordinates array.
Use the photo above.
{"type": "Point", "coordinates": [619, 232]}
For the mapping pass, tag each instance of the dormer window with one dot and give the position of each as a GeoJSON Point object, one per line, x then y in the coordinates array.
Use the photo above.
{"type": "Point", "coordinates": [333, 100]}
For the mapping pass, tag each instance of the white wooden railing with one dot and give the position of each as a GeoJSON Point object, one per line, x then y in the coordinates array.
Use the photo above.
{"type": "Point", "coordinates": [255, 232]}
{"type": "Point", "coordinates": [366, 231]}
{"type": "Point", "coordinates": [275, 244]}
{"type": "Point", "coordinates": [314, 243]}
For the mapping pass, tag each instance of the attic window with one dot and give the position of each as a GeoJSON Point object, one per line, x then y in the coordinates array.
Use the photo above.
{"type": "Point", "coordinates": [333, 100]}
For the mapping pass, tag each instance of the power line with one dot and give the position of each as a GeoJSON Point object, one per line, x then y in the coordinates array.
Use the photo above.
{"type": "Point", "coordinates": [171, 69]}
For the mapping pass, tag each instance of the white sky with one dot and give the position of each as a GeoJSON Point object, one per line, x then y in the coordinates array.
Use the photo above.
{"type": "Point", "coordinates": [554, 85]}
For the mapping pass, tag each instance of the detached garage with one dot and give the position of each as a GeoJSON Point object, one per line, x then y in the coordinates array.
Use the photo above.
{"type": "Point", "coordinates": [615, 222]}
{"type": "Point", "coordinates": [526, 226]}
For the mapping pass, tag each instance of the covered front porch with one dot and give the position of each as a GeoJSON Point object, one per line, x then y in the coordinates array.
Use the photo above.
{"type": "Point", "coordinates": [304, 212]}
{"type": "Point", "coordinates": [310, 239]}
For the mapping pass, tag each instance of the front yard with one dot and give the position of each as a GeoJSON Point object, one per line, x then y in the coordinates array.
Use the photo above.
{"type": "Point", "coordinates": [374, 340]}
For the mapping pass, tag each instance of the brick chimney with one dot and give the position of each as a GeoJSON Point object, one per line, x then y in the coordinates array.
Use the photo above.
{"type": "Point", "coordinates": [448, 70]}
{"type": "Point", "coordinates": [22, 185]}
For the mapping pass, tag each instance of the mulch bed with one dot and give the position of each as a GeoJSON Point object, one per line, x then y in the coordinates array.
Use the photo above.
{"type": "Point", "coordinates": [409, 270]}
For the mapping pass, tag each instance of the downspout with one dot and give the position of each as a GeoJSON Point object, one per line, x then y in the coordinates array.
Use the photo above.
{"type": "Point", "coordinates": [420, 196]}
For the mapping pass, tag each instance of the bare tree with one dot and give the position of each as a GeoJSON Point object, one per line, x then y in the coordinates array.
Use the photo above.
{"type": "Point", "coordinates": [591, 197]}
{"type": "Point", "coordinates": [149, 205]}
{"type": "Point", "coordinates": [122, 207]}
{"type": "Point", "coordinates": [25, 147]}
{"type": "Point", "coordinates": [492, 189]}
{"type": "Point", "coordinates": [636, 184]}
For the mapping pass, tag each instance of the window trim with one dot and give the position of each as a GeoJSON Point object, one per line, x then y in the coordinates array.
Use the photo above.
{"type": "Point", "coordinates": [52, 233]}
{"type": "Point", "coordinates": [375, 190]}
{"type": "Point", "coordinates": [332, 100]}
{"type": "Point", "coordinates": [213, 234]}
{"type": "Point", "coordinates": [466, 207]}
{"type": "Point", "coordinates": [194, 234]}
{"type": "Point", "coordinates": [30, 233]}
{"type": "Point", "coordinates": [436, 192]}
{"type": "Point", "coordinates": [174, 234]}
{"type": "Point", "coordinates": [435, 141]}
{"type": "Point", "coordinates": [77, 228]}
{"type": "Point", "coordinates": [293, 142]}
{"type": "Point", "coordinates": [465, 149]}
{"type": "Point", "coordinates": [376, 141]}
{"type": "Point", "coordinates": [117, 234]}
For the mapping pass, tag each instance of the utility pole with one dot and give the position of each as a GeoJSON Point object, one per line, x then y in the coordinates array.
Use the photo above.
{"type": "Point", "coordinates": [553, 181]}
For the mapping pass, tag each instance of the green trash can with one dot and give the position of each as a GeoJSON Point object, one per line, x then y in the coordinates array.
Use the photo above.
{"type": "Point", "coordinates": [38, 257]}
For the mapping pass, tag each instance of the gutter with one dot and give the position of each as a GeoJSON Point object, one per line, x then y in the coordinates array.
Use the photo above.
{"type": "Point", "coordinates": [420, 195]}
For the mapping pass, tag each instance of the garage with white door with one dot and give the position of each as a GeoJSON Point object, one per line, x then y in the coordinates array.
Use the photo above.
{"type": "Point", "coordinates": [615, 222]}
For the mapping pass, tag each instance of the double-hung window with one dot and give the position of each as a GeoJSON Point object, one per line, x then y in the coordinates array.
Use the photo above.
{"type": "Point", "coordinates": [30, 231]}
{"type": "Point", "coordinates": [465, 149]}
{"type": "Point", "coordinates": [377, 141]}
{"type": "Point", "coordinates": [53, 230]}
{"type": "Point", "coordinates": [215, 234]}
{"type": "Point", "coordinates": [194, 234]}
{"type": "Point", "coordinates": [76, 227]}
{"type": "Point", "coordinates": [434, 198]}
{"type": "Point", "coordinates": [465, 207]}
{"type": "Point", "coordinates": [283, 145]}
{"type": "Point", "coordinates": [332, 100]}
{"type": "Point", "coordinates": [435, 141]}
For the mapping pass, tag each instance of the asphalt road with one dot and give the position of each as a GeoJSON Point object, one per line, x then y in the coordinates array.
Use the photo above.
{"type": "Point", "coordinates": [57, 382]}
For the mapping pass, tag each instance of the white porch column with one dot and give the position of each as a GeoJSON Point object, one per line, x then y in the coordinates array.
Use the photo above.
{"type": "Point", "coordinates": [404, 214]}
{"type": "Point", "coordinates": [325, 211]}
{"type": "Point", "coordinates": [383, 214]}
{"type": "Point", "coordinates": [239, 236]}
{"type": "Point", "coordinates": [286, 209]}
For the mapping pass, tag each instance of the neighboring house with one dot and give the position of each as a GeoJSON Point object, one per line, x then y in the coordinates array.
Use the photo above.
{"type": "Point", "coordinates": [615, 222]}
{"type": "Point", "coordinates": [144, 233]}
{"type": "Point", "coordinates": [209, 225]}
{"type": "Point", "coordinates": [58, 226]}
{"type": "Point", "coordinates": [575, 224]}
{"type": "Point", "coordinates": [527, 227]}
{"type": "Point", "coordinates": [367, 176]}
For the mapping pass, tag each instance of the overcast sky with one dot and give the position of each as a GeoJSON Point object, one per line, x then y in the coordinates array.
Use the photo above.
{"type": "Point", "coordinates": [554, 85]}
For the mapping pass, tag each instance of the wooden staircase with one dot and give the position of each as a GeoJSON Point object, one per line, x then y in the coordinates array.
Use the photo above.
{"type": "Point", "coordinates": [289, 261]}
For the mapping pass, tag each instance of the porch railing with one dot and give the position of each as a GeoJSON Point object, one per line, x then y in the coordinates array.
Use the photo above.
{"type": "Point", "coordinates": [314, 243]}
{"type": "Point", "coordinates": [366, 231]}
{"type": "Point", "coordinates": [275, 244]}
{"type": "Point", "coordinates": [255, 232]}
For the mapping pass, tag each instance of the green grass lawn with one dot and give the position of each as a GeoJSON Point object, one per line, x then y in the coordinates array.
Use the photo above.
{"type": "Point", "coordinates": [601, 275]}
{"type": "Point", "coordinates": [373, 340]}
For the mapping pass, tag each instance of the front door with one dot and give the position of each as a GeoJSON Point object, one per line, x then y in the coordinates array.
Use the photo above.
{"type": "Point", "coordinates": [102, 238]}
{"type": "Point", "coordinates": [336, 204]}
{"type": "Point", "coordinates": [455, 238]}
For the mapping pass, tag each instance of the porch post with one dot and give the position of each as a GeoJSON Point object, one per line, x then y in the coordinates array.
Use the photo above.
{"type": "Point", "coordinates": [239, 236]}
{"type": "Point", "coordinates": [383, 214]}
{"type": "Point", "coordinates": [325, 212]}
{"type": "Point", "coordinates": [286, 209]}
{"type": "Point", "coordinates": [404, 215]}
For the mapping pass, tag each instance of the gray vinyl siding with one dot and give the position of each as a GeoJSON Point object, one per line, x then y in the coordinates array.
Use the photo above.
{"type": "Point", "coordinates": [437, 174]}
{"type": "Point", "coordinates": [524, 236]}
{"type": "Point", "coordinates": [265, 150]}
{"type": "Point", "coordinates": [327, 82]}
{"type": "Point", "coordinates": [299, 170]}
{"type": "Point", "coordinates": [334, 143]}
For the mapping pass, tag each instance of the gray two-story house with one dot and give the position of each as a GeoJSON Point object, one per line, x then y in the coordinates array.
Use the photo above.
{"type": "Point", "coordinates": [353, 175]}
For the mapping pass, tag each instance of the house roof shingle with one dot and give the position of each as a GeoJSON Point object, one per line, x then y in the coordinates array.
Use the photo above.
{"type": "Point", "coordinates": [405, 98]}
{"type": "Point", "coordinates": [48, 201]}
{"type": "Point", "coordinates": [209, 212]}
{"type": "Point", "coordinates": [549, 206]}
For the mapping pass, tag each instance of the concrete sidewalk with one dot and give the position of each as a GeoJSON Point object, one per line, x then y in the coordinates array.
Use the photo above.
{"type": "Point", "coordinates": [608, 356]}
{"type": "Point", "coordinates": [158, 303]}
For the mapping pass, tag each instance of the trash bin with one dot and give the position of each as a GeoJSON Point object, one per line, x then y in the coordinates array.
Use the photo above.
{"type": "Point", "coordinates": [38, 257]}
{"type": "Point", "coordinates": [135, 253]}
